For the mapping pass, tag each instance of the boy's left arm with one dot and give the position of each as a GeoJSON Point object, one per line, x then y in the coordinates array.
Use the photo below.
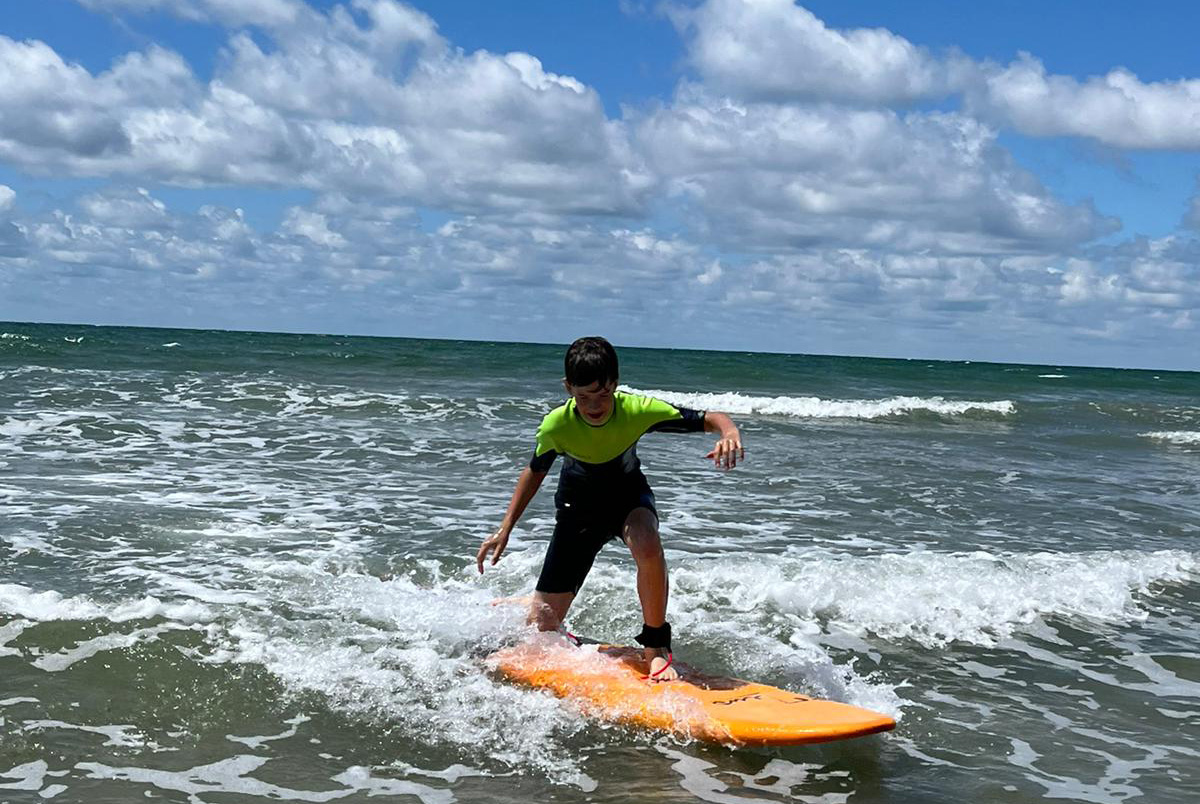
{"type": "Point", "coordinates": [728, 450]}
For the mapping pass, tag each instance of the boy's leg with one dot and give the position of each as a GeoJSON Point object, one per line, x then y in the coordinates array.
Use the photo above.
{"type": "Point", "coordinates": [549, 609]}
{"type": "Point", "coordinates": [569, 558]}
{"type": "Point", "coordinates": [641, 535]}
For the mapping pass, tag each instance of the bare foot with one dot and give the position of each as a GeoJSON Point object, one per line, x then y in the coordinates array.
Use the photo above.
{"type": "Point", "coordinates": [523, 600]}
{"type": "Point", "coordinates": [661, 668]}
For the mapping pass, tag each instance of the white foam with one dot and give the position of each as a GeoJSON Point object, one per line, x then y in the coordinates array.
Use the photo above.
{"type": "Point", "coordinates": [18, 700]}
{"type": "Point", "coordinates": [811, 407]}
{"type": "Point", "coordinates": [1113, 781]}
{"type": "Point", "coordinates": [123, 735]}
{"type": "Point", "coordinates": [405, 653]}
{"type": "Point", "coordinates": [48, 606]}
{"type": "Point", "coordinates": [258, 741]}
{"type": "Point", "coordinates": [13, 336]}
{"type": "Point", "coordinates": [9, 632]}
{"type": "Point", "coordinates": [359, 779]}
{"type": "Point", "coordinates": [1187, 437]}
{"type": "Point", "coordinates": [19, 427]}
{"type": "Point", "coordinates": [934, 598]}
{"type": "Point", "coordinates": [27, 543]}
{"type": "Point", "coordinates": [207, 592]}
{"type": "Point", "coordinates": [232, 776]}
{"type": "Point", "coordinates": [61, 660]}
{"type": "Point", "coordinates": [31, 776]}
{"type": "Point", "coordinates": [699, 778]}
{"type": "Point", "coordinates": [1163, 681]}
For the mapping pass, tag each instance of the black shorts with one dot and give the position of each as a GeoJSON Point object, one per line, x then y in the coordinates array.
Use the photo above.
{"type": "Point", "coordinates": [581, 528]}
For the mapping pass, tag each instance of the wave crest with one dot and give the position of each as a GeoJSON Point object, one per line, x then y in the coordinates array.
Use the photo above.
{"type": "Point", "coordinates": [811, 407]}
{"type": "Point", "coordinates": [1189, 437]}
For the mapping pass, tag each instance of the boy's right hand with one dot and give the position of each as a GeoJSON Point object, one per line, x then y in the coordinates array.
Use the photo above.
{"type": "Point", "coordinates": [493, 544]}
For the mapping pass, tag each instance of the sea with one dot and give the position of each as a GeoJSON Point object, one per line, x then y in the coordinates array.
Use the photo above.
{"type": "Point", "coordinates": [240, 567]}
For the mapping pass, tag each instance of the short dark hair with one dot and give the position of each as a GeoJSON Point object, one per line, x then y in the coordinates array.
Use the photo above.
{"type": "Point", "coordinates": [590, 360]}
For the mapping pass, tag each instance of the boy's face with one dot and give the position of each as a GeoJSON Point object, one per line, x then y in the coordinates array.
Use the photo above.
{"type": "Point", "coordinates": [594, 402]}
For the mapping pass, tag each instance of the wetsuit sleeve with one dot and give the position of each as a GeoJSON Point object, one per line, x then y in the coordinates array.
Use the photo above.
{"type": "Point", "coordinates": [542, 462]}
{"type": "Point", "coordinates": [676, 419]}
{"type": "Point", "coordinates": [544, 452]}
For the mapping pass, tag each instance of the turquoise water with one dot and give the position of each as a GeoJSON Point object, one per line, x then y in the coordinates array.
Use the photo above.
{"type": "Point", "coordinates": [239, 567]}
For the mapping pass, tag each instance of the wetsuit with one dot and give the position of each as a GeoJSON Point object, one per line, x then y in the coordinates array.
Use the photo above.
{"type": "Point", "coordinates": [601, 479]}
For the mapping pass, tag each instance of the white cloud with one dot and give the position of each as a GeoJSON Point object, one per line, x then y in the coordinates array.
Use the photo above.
{"type": "Point", "coordinates": [227, 12]}
{"type": "Point", "coordinates": [12, 238]}
{"type": "Point", "coordinates": [770, 176]}
{"type": "Point", "coordinates": [777, 50]}
{"type": "Point", "coordinates": [1115, 109]}
{"type": "Point", "coordinates": [312, 225]}
{"type": "Point", "coordinates": [378, 105]}
{"type": "Point", "coordinates": [1191, 218]}
{"type": "Point", "coordinates": [133, 209]}
{"type": "Point", "coordinates": [1139, 296]}
{"type": "Point", "coordinates": [775, 200]}
{"type": "Point", "coordinates": [340, 265]}
{"type": "Point", "coordinates": [338, 262]}
{"type": "Point", "coordinates": [1120, 304]}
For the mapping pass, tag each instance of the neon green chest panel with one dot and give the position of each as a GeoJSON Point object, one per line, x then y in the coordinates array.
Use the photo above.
{"type": "Point", "coordinates": [565, 431]}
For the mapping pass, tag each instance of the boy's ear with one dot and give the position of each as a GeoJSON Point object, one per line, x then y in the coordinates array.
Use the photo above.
{"type": "Point", "coordinates": [566, 386]}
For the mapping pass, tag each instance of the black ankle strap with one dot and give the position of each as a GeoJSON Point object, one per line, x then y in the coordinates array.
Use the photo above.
{"type": "Point", "coordinates": [655, 637]}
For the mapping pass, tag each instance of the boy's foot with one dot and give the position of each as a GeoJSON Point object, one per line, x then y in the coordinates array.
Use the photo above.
{"type": "Point", "coordinates": [661, 666]}
{"type": "Point", "coordinates": [523, 600]}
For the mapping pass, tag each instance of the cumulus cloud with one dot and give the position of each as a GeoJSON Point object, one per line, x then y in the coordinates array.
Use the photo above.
{"type": "Point", "coordinates": [339, 244]}
{"type": "Point", "coordinates": [338, 264]}
{"type": "Point", "coordinates": [56, 109]}
{"type": "Point", "coordinates": [1191, 218]}
{"type": "Point", "coordinates": [772, 176]}
{"type": "Point", "coordinates": [1116, 109]}
{"type": "Point", "coordinates": [376, 104]}
{"type": "Point", "coordinates": [131, 208]}
{"type": "Point", "coordinates": [227, 12]}
{"type": "Point", "coordinates": [1132, 303]}
{"type": "Point", "coordinates": [777, 193]}
{"type": "Point", "coordinates": [344, 265]}
{"type": "Point", "coordinates": [1140, 295]}
{"type": "Point", "coordinates": [776, 50]}
{"type": "Point", "coordinates": [12, 238]}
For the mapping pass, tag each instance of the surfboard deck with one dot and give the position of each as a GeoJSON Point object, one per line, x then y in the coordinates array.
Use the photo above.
{"type": "Point", "coordinates": [607, 681]}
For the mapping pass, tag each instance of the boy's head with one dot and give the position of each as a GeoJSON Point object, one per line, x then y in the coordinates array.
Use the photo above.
{"type": "Point", "coordinates": [590, 360]}
{"type": "Point", "coordinates": [590, 377]}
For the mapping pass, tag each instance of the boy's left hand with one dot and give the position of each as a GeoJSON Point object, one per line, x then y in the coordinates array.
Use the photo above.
{"type": "Point", "coordinates": [727, 452]}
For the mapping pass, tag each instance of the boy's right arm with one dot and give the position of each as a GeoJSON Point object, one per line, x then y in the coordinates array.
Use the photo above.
{"type": "Point", "coordinates": [527, 486]}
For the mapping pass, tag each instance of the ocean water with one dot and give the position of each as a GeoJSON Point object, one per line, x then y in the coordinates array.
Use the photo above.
{"type": "Point", "coordinates": [239, 567]}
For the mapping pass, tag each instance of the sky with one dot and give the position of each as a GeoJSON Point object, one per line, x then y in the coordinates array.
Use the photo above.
{"type": "Point", "coordinates": [1015, 182]}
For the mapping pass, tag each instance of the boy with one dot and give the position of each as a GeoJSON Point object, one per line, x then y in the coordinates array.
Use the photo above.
{"type": "Point", "coordinates": [602, 492]}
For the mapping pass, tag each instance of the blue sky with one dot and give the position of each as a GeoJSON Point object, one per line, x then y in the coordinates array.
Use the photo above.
{"type": "Point", "coordinates": [1012, 182]}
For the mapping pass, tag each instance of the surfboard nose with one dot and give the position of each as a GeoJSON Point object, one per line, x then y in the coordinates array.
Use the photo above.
{"type": "Point", "coordinates": [770, 716]}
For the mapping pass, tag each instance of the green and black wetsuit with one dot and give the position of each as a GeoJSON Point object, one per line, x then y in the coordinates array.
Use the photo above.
{"type": "Point", "coordinates": [601, 479]}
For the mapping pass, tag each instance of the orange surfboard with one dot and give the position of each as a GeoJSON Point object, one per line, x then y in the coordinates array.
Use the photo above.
{"type": "Point", "coordinates": [608, 682]}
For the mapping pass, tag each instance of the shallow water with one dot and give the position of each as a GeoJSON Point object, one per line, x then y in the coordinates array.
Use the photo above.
{"type": "Point", "coordinates": [239, 567]}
